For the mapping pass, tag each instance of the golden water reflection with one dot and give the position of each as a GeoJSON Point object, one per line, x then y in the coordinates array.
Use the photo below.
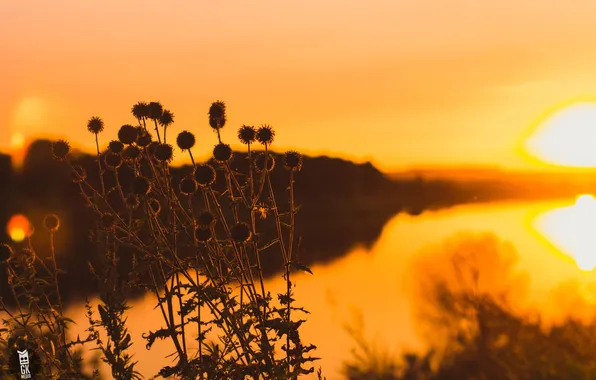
{"type": "Point", "coordinates": [373, 282]}
{"type": "Point", "coordinates": [572, 229]}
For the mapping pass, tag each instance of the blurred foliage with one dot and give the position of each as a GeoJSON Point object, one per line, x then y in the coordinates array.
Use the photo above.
{"type": "Point", "coordinates": [478, 333]}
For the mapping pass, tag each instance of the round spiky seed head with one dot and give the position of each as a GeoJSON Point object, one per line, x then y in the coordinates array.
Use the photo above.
{"type": "Point", "coordinates": [95, 125]}
{"type": "Point", "coordinates": [185, 140]}
{"type": "Point", "coordinates": [140, 110]}
{"type": "Point", "coordinates": [293, 161]}
{"type": "Point", "coordinates": [247, 134]}
{"type": "Point", "coordinates": [203, 234]}
{"type": "Point", "coordinates": [60, 150]}
{"type": "Point", "coordinates": [188, 186]}
{"type": "Point", "coordinates": [205, 218]}
{"type": "Point", "coordinates": [241, 232]}
{"type": "Point", "coordinates": [154, 205]}
{"type": "Point", "coordinates": [222, 152]}
{"type": "Point", "coordinates": [107, 220]}
{"type": "Point", "coordinates": [128, 134]}
{"type": "Point", "coordinates": [155, 110]}
{"type": "Point", "coordinates": [131, 201]}
{"type": "Point", "coordinates": [265, 135]}
{"type": "Point", "coordinates": [115, 146]}
{"type": "Point", "coordinates": [112, 160]}
{"type": "Point", "coordinates": [5, 252]}
{"type": "Point", "coordinates": [141, 186]}
{"type": "Point", "coordinates": [51, 222]}
{"type": "Point", "coordinates": [78, 174]}
{"type": "Point", "coordinates": [205, 175]}
{"type": "Point", "coordinates": [164, 152]}
{"type": "Point", "coordinates": [166, 119]}
{"type": "Point", "coordinates": [131, 153]}
{"type": "Point", "coordinates": [217, 114]}
{"type": "Point", "coordinates": [259, 161]}
{"type": "Point", "coordinates": [144, 138]}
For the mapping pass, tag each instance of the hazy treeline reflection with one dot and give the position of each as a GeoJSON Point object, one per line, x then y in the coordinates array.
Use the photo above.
{"type": "Point", "coordinates": [343, 205]}
{"type": "Point", "coordinates": [469, 302]}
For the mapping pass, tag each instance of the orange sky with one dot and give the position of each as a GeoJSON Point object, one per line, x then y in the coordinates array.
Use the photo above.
{"type": "Point", "coordinates": [398, 82]}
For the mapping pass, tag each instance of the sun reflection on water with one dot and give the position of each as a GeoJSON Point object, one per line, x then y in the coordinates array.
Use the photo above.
{"type": "Point", "coordinates": [572, 230]}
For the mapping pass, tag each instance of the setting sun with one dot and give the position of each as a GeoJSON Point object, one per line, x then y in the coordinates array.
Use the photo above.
{"type": "Point", "coordinates": [18, 228]}
{"type": "Point", "coordinates": [17, 141]}
{"type": "Point", "coordinates": [566, 137]}
{"type": "Point", "coordinates": [570, 229]}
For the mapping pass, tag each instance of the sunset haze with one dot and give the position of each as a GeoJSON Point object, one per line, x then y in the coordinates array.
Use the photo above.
{"type": "Point", "coordinates": [400, 83]}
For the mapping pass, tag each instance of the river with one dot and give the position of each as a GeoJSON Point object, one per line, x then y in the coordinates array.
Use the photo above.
{"type": "Point", "coordinates": [371, 282]}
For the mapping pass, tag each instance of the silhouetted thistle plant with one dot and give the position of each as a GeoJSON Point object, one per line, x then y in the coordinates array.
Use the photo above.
{"type": "Point", "coordinates": [205, 175]}
{"type": "Point", "coordinates": [128, 134]}
{"type": "Point", "coordinates": [222, 153]}
{"type": "Point", "coordinates": [36, 321]}
{"type": "Point", "coordinates": [79, 174]}
{"type": "Point", "coordinates": [144, 137]}
{"type": "Point", "coordinates": [112, 160]}
{"type": "Point", "coordinates": [115, 146]}
{"type": "Point", "coordinates": [247, 134]}
{"type": "Point", "coordinates": [164, 152]}
{"type": "Point", "coordinates": [188, 186]}
{"type": "Point", "coordinates": [198, 248]}
{"type": "Point", "coordinates": [60, 150]}
{"type": "Point", "coordinates": [217, 117]}
{"type": "Point", "coordinates": [131, 153]}
{"type": "Point", "coordinates": [165, 120]}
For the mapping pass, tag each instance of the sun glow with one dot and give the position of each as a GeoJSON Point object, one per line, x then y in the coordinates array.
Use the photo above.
{"type": "Point", "coordinates": [571, 230]}
{"type": "Point", "coordinates": [566, 137]}
{"type": "Point", "coordinates": [19, 228]}
{"type": "Point", "coordinates": [17, 141]}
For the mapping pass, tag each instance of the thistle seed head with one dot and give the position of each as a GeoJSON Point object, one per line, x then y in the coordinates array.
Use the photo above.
{"type": "Point", "coordinates": [241, 232]}
{"type": "Point", "coordinates": [60, 150]}
{"type": "Point", "coordinates": [202, 234]}
{"type": "Point", "coordinates": [293, 161]}
{"type": "Point", "coordinates": [78, 174]}
{"type": "Point", "coordinates": [131, 153]}
{"type": "Point", "coordinates": [115, 146]}
{"type": "Point", "coordinates": [185, 140]}
{"type": "Point", "coordinates": [205, 218]}
{"type": "Point", "coordinates": [205, 175]}
{"type": "Point", "coordinates": [112, 160]}
{"type": "Point", "coordinates": [140, 110]}
{"type": "Point", "coordinates": [188, 186]}
{"type": "Point", "coordinates": [222, 152]}
{"type": "Point", "coordinates": [259, 162]}
{"type": "Point", "coordinates": [247, 134]}
{"type": "Point", "coordinates": [95, 125]}
{"type": "Point", "coordinates": [265, 135]}
{"type": "Point", "coordinates": [155, 110]}
{"type": "Point", "coordinates": [164, 152]}
{"type": "Point", "coordinates": [128, 134]}
{"type": "Point", "coordinates": [51, 222]}
{"type": "Point", "coordinates": [166, 119]}
{"type": "Point", "coordinates": [144, 138]}
{"type": "Point", "coordinates": [107, 220]}
{"type": "Point", "coordinates": [132, 201]}
{"type": "Point", "coordinates": [217, 114]}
